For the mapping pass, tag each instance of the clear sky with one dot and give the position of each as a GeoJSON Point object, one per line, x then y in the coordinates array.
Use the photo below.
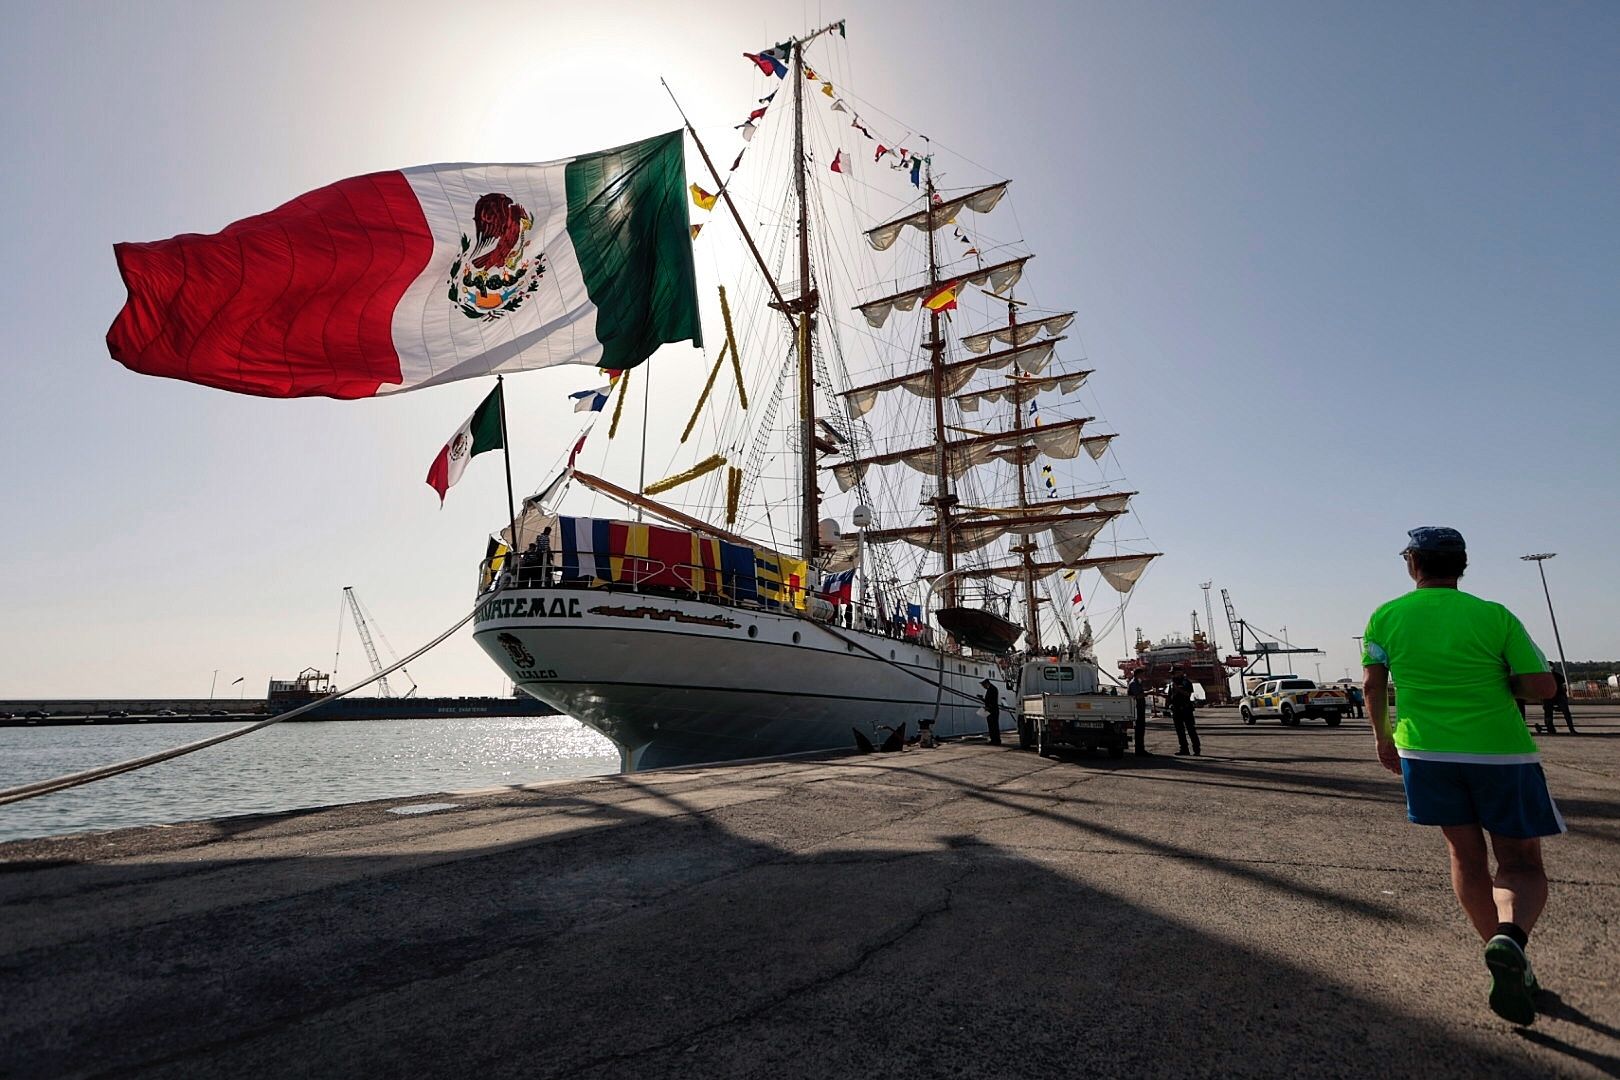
{"type": "Point", "coordinates": [1342, 268]}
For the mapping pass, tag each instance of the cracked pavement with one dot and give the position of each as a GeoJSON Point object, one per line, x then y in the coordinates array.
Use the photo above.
{"type": "Point", "coordinates": [1262, 911]}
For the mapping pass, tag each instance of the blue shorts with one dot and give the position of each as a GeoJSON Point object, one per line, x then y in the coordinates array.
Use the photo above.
{"type": "Point", "coordinates": [1505, 800]}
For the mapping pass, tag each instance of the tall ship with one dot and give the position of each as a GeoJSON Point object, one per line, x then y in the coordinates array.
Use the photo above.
{"type": "Point", "coordinates": [889, 491]}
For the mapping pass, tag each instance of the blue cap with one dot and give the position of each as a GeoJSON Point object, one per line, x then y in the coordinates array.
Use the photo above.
{"type": "Point", "coordinates": [1434, 538]}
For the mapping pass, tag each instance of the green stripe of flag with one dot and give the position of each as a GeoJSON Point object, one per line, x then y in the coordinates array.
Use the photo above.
{"type": "Point", "coordinates": [485, 425]}
{"type": "Point", "coordinates": [628, 222]}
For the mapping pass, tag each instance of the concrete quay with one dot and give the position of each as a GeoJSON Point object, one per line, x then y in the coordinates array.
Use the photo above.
{"type": "Point", "coordinates": [971, 911]}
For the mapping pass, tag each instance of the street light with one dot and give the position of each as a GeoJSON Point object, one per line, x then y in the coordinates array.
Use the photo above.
{"type": "Point", "coordinates": [1539, 560]}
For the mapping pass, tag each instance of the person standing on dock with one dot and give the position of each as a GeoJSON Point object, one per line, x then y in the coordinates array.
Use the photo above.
{"type": "Point", "coordinates": [1138, 696]}
{"type": "Point", "coordinates": [992, 710]}
{"type": "Point", "coordinates": [1559, 700]}
{"type": "Point", "coordinates": [1181, 712]}
{"type": "Point", "coordinates": [1468, 763]}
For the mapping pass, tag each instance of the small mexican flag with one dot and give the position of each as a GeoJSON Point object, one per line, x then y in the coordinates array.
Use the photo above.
{"type": "Point", "coordinates": [417, 277]}
{"type": "Point", "coordinates": [480, 432]}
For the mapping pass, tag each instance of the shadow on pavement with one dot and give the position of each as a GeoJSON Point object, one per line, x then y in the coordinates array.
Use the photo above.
{"type": "Point", "coordinates": [823, 933]}
{"type": "Point", "coordinates": [673, 944]}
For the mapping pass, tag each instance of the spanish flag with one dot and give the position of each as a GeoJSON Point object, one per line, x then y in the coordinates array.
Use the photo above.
{"type": "Point", "coordinates": [703, 198]}
{"type": "Point", "coordinates": [942, 299]}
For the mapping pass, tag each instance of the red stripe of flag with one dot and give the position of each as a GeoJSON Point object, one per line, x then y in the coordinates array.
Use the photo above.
{"type": "Point", "coordinates": [295, 302]}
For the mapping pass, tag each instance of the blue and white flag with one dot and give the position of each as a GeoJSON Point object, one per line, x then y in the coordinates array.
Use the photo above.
{"type": "Point", "coordinates": [591, 400]}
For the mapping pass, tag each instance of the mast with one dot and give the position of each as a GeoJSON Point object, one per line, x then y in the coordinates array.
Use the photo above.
{"type": "Point", "coordinates": [1026, 550]}
{"type": "Point", "coordinates": [943, 499]}
{"type": "Point", "coordinates": [805, 305]}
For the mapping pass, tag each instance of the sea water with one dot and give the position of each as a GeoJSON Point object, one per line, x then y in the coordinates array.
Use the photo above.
{"type": "Point", "coordinates": [284, 767]}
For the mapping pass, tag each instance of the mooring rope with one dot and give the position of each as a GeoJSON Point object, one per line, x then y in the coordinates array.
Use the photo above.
{"type": "Point", "coordinates": [102, 772]}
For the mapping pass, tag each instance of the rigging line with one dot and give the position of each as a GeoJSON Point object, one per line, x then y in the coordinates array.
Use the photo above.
{"type": "Point", "coordinates": [118, 768]}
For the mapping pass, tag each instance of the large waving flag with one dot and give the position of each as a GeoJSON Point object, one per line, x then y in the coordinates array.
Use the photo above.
{"type": "Point", "coordinates": [398, 280]}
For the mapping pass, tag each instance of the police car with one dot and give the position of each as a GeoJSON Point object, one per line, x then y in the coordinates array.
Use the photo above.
{"type": "Point", "coordinates": [1292, 700]}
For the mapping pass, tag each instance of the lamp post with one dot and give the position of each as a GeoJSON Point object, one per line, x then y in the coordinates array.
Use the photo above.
{"type": "Point", "coordinates": [1539, 560]}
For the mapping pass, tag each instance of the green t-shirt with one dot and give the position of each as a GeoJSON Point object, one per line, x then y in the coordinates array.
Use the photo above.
{"type": "Point", "coordinates": [1450, 655]}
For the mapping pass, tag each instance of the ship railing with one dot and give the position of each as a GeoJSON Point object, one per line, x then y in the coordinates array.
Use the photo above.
{"type": "Point", "coordinates": [638, 574]}
{"type": "Point", "coordinates": [641, 574]}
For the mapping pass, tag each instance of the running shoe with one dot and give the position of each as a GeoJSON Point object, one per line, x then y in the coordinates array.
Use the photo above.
{"type": "Point", "coordinates": [1513, 983]}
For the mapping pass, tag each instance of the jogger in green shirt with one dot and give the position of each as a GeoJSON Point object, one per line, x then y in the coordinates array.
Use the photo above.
{"type": "Point", "coordinates": [1462, 749]}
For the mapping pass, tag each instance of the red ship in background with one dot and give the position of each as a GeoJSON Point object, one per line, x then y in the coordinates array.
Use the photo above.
{"type": "Point", "coordinates": [1200, 655]}
{"type": "Point", "coordinates": [1154, 662]}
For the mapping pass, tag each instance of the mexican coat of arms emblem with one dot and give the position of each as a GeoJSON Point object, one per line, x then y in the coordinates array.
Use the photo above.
{"type": "Point", "coordinates": [492, 275]}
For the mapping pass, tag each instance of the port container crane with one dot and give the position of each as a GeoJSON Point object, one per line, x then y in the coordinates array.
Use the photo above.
{"type": "Point", "coordinates": [371, 649]}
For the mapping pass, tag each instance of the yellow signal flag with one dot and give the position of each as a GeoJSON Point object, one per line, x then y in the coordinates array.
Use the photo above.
{"type": "Point", "coordinates": [697, 229]}
{"type": "Point", "coordinates": [826, 88]}
{"type": "Point", "coordinates": [703, 198]}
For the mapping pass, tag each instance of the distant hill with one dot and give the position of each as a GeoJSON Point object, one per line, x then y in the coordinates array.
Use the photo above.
{"type": "Point", "coordinates": [1597, 670]}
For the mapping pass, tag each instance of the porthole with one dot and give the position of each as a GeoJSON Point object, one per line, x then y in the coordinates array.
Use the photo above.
{"type": "Point", "coordinates": [891, 654]}
{"type": "Point", "coordinates": [795, 637]}
{"type": "Point", "coordinates": [753, 631]}
{"type": "Point", "coordinates": [849, 646]}
{"type": "Point", "coordinates": [916, 658]}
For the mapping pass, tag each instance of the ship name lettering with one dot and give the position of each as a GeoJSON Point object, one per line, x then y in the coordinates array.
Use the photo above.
{"type": "Point", "coordinates": [521, 607]}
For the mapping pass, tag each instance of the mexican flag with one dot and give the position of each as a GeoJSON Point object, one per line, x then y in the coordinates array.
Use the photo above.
{"type": "Point", "coordinates": [398, 280]}
{"type": "Point", "coordinates": [479, 432]}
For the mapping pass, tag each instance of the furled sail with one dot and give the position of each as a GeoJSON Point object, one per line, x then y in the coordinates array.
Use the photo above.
{"type": "Point", "coordinates": [941, 213]}
{"type": "Point", "coordinates": [1019, 333]}
{"type": "Point", "coordinates": [1060, 440]}
{"type": "Point", "coordinates": [1020, 390]}
{"type": "Point", "coordinates": [848, 475]}
{"type": "Point", "coordinates": [1073, 532]}
{"type": "Point", "coordinates": [1120, 571]}
{"type": "Point", "coordinates": [994, 279]}
{"type": "Point", "coordinates": [1072, 539]}
{"type": "Point", "coordinates": [1111, 500]}
{"type": "Point", "coordinates": [1026, 359]}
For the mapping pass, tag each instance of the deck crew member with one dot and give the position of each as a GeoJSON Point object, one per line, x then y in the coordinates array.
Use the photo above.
{"type": "Point", "coordinates": [543, 556]}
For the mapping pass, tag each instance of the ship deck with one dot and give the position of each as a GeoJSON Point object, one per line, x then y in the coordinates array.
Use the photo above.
{"type": "Point", "coordinates": [978, 911]}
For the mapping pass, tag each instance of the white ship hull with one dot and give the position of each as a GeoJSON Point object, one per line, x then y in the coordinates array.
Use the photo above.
{"type": "Point", "coordinates": [681, 681]}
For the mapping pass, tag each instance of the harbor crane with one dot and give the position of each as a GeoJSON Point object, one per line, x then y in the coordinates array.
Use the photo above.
{"type": "Point", "coordinates": [1209, 614]}
{"type": "Point", "coordinates": [1262, 648]}
{"type": "Point", "coordinates": [371, 649]}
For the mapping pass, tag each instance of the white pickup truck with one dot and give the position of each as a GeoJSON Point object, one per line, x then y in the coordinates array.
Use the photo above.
{"type": "Point", "coordinates": [1062, 706]}
{"type": "Point", "coordinates": [1292, 700]}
